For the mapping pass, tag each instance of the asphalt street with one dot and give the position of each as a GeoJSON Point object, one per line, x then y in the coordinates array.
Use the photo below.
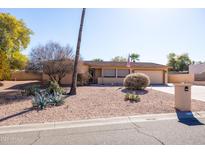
{"type": "Point", "coordinates": [169, 131]}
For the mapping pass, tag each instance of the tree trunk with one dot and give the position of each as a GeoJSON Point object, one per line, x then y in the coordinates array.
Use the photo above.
{"type": "Point", "coordinates": [74, 77]}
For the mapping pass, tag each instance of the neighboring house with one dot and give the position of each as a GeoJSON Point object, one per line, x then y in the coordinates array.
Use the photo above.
{"type": "Point", "coordinates": [109, 72]}
{"type": "Point", "coordinates": [198, 70]}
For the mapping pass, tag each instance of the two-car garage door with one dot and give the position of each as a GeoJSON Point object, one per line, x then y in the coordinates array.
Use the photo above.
{"type": "Point", "coordinates": [156, 77]}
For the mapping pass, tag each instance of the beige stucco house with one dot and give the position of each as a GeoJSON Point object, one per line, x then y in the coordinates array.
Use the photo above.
{"type": "Point", "coordinates": [109, 72]}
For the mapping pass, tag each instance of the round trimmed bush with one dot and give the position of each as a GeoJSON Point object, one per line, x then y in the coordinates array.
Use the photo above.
{"type": "Point", "coordinates": [136, 81]}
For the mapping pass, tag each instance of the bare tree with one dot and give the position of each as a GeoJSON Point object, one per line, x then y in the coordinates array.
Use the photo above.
{"type": "Point", "coordinates": [50, 51]}
{"type": "Point", "coordinates": [55, 60]}
{"type": "Point", "coordinates": [119, 59]}
{"type": "Point", "coordinates": [57, 70]}
{"type": "Point", "coordinates": [77, 55]}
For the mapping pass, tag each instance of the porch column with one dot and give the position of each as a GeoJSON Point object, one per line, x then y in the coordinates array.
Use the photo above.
{"type": "Point", "coordinates": [165, 76]}
{"type": "Point", "coordinates": [130, 70]}
{"type": "Point", "coordinates": [116, 73]}
{"type": "Point", "coordinates": [102, 75]}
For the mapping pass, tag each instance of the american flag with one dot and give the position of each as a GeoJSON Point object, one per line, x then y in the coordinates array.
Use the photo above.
{"type": "Point", "coordinates": [128, 61]}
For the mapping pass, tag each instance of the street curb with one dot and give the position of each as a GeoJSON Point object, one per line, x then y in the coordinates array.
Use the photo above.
{"type": "Point", "coordinates": [99, 122]}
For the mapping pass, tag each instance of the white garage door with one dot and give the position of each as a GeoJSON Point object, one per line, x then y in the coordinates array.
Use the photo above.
{"type": "Point", "coordinates": [156, 77]}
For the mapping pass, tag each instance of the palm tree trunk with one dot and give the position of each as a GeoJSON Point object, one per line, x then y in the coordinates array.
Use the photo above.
{"type": "Point", "coordinates": [77, 55]}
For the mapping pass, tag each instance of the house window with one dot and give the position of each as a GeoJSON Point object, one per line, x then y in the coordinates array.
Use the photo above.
{"type": "Point", "coordinates": [109, 72]}
{"type": "Point", "coordinates": [121, 73]}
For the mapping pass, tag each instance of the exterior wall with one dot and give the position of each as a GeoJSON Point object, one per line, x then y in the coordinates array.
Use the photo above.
{"type": "Point", "coordinates": [178, 78]}
{"type": "Point", "coordinates": [67, 79]}
{"type": "Point", "coordinates": [196, 68]}
{"type": "Point", "coordinates": [83, 68]}
{"type": "Point", "coordinates": [25, 76]}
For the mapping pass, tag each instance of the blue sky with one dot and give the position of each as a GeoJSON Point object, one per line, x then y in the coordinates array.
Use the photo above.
{"type": "Point", "coordinates": [152, 33]}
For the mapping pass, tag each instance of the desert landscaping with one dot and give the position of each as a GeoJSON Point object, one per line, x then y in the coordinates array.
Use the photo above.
{"type": "Point", "coordinates": [91, 102]}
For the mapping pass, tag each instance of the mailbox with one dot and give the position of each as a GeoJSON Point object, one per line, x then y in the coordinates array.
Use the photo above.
{"type": "Point", "coordinates": [183, 96]}
{"type": "Point", "coordinates": [186, 88]}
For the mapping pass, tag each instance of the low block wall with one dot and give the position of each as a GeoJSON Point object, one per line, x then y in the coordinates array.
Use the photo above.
{"type": "Point", "coordinates": [66, 80]}
{"type": "Point", "coordinates": [200, 77]}
{"type": "Point", "coordinates": [178, 78]}
{"type": "Point", "coordinates": [25, 76]}
{"type": "Point", "coordinates": [110, 80]}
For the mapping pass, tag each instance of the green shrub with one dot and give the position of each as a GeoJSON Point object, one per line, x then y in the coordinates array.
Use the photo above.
{"type": "Point", "coordinates": [136, 81]}
{"type": "Point", "coordinates": [132, 97]}
{"type": "Point", "coordinates": [31, 90]}
{"type": "Point", "coordinates": [54, 88]}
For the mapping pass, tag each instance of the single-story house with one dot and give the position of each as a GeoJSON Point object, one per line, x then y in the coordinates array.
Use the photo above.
{"type": "Point", "coordinates": [198, 70]}
{"type": "Point", "coordinates": [109, 72]}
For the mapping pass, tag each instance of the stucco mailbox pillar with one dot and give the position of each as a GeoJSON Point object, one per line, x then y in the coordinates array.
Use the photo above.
{"type": "Point", "coordinates": [183, 96]}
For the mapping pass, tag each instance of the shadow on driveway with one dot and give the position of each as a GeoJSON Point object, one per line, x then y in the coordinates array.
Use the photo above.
{"type": "Point", "coordinates": [188, 118]}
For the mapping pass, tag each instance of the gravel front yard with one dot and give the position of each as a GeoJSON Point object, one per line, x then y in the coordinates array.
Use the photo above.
{"type": "Point", "coordinates": [91, 102]}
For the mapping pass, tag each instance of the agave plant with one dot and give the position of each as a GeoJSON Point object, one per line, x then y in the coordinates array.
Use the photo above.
{"type": "Point", "coordinates": [55, 99]}
{"type": "Point", "coordinates": [39, 101]}
{"type": "Point", "coordinates": [49, 96]}
{"type": "Point", "coordinates": [31, 90]}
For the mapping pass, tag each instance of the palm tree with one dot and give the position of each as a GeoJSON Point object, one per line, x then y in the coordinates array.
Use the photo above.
{"type": "Point", "coordinates": [77, 55]}
{"type": "Point", "coordinates": [134, 57]}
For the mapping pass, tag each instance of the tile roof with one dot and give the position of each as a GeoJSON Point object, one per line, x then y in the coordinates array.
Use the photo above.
{"type": "Point", "coordinates": [124, 64]}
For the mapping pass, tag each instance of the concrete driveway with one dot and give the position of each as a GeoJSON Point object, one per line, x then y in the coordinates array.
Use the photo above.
{"type": "Point", "coordinates": [198, 92]}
